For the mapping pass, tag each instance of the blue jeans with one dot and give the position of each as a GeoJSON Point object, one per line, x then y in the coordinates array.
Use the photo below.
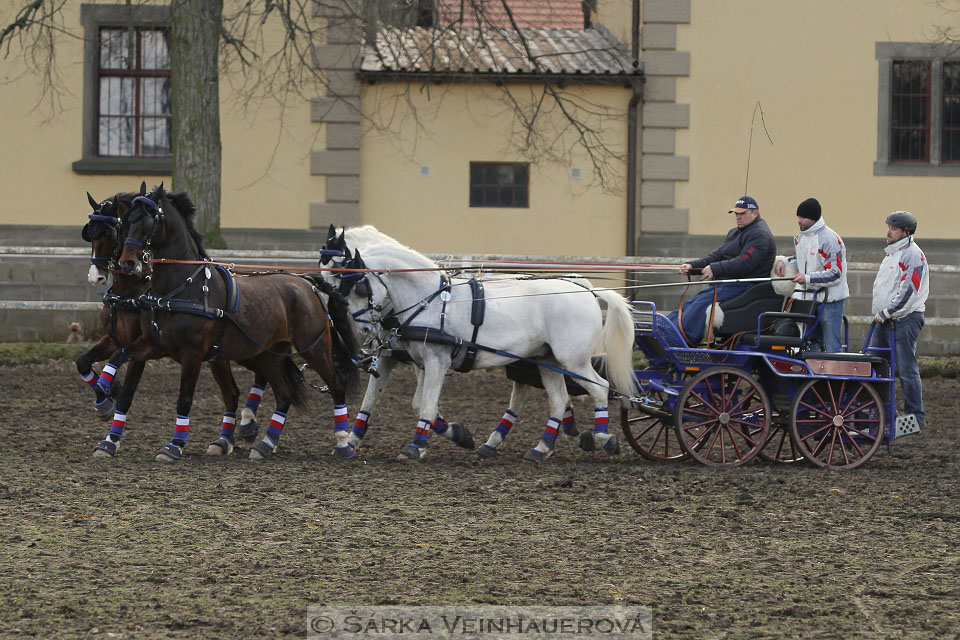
{"type": "Point", "coordinates": [908, 332]}
{"type": "Point", "coordinates": [830, 329]}
{"type": "Point", "coordinates": [695, 308]}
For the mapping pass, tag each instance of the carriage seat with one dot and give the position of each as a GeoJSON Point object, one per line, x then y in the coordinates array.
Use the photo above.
{"type": "Point", "coordinates": [790, 328]}
{"type": "Point", "coordinates": [740, 313]}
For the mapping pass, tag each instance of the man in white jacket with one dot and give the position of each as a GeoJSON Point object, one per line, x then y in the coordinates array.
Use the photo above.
{"type": "Point", "coordinates": [821, 260]}
{"type": "Point", "coordinates": [899, 296]}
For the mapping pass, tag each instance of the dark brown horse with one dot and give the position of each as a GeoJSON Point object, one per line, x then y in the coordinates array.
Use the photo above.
{"type": "Point", "coordinates": [199, 311]}
{"type": "Point", "coordinates": [120, 319]}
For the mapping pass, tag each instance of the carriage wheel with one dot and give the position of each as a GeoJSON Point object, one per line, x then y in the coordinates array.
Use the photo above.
{"type": "Point", "coordinates": [651, 434]}
{"type": "Point", "coordinates": [780, 447]}
{"type": "Point", "coordinates": [722, 417]}
{"type": "Point", "coordinates": [837, 424]}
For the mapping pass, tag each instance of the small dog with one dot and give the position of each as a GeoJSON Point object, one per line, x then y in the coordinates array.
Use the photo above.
{"type": "Point", "coordinates": [76, 332]}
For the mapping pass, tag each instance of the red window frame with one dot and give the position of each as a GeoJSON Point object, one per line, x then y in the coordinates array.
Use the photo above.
{"type": "Point", "coordinates": [139, 74]}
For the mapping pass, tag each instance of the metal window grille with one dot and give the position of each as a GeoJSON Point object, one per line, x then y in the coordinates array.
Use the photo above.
{"type": "Point", "coordinates": [950, 136]}
{"type": "Point", "coordinates": [910, 111]}
{"type": "Point", "coordinates": [134, 114]}
{"type": "Point", "coordinates": [495, 184]}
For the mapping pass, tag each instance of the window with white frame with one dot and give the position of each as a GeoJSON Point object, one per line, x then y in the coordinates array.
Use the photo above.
{"type": "Point", "coordinates": [127, 119]}
{"type": "Point", "coordinates": [918, 128]}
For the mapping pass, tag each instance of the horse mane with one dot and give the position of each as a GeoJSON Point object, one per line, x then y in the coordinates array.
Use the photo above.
{"type": "Point", "coordinates": [183, 205]}
{"type": "Point", "coordinates": [374, 243]}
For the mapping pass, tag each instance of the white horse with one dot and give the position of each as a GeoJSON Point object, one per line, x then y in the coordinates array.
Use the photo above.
{"type": "Point", "coordinates": [556, 321]}
{"type": "Point", "coordinates": [379, 342]}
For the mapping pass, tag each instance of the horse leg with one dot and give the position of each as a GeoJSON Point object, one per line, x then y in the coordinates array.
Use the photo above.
{"type": "Point", "coordinates": [108, 446]}
{"type": "Point", "coordinates": [555, 387]}
{"type": "Point", "coordinates": [247, 429]}
{"type": "Point", "coordinates": [375, 385]}
{"type": "Point", "coordinates": [223, 446]}
{"type": "Point", "coordinates": [454, 431]}
{"type": "Point", "coordinates": [600, 437]}
{"type": "Point", "coordinates": [189, 373]}
{"type": "Point", "coordinates": [518, 398]}
{"type": "Point", "coordinates": [99, 351]}
{"type": "Point", "coordinates": [281, 374]}
{"type": "Point", "coordinates": [434, 366]}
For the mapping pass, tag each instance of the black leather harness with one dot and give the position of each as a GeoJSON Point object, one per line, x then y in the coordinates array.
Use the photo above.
{"type": "Point", "coordinates": [179, 305]}
{"type": "Point", "coordinates": [413, 333]}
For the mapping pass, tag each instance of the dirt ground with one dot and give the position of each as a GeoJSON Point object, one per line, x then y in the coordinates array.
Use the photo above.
{"type": "Point", "coordinates": [230, 548]}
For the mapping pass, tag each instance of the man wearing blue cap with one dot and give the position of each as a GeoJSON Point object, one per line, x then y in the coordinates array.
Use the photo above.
{"type": "Point", "coordinates": [748, 251]}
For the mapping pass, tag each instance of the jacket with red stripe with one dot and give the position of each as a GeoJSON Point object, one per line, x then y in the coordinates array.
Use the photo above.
{"type": "Point", "coordinates": [822, 258]}
{"type": "Point", "coordinates": [745, 253]}
{"type": "Point", "coordinates": [903, 282]}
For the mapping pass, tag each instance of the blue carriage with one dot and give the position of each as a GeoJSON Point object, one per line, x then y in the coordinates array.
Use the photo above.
{"type": "Point", "coordinates": [760, 390]}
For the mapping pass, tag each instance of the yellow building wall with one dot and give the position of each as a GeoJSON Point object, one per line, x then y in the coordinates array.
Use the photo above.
{"type": "Point", "coordinates": [266, 167]}
{"type": "Point", "coordinates": [460, 123]}
{"type": "Point", "coordinates": [812, 67]}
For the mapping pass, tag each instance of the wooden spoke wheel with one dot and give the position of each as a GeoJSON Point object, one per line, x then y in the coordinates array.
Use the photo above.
{"type": "Point", "coordinates": [837, 424]}
{"type": "Point", "coordinates": [722, 417]}
{"type": "Point", "coordinates": [650, 432]}
{"type": "Point", "coordinates": [780, 447]}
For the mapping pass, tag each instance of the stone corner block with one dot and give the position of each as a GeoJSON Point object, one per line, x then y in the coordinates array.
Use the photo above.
{"type": "Point", "coordinates": [335, 163]}
{"type": "Point", "coordinates": [666, 115]}
{"type": "Point", "coordinates": [656, 167]}
{"type": "Point", "coordinates": [675, 11]}
{"type": "Point", "coordinates": [339, 214]}
{"type": "Point", "coordinates": [664, 220]}
{"type": "Point", "coordinates": [335, 109]}
{"type": "Point", "coordinates": [666, 63]}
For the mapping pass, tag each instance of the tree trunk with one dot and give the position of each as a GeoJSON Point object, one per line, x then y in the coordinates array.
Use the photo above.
{"type": "Point", "coordinates": [195, 97]}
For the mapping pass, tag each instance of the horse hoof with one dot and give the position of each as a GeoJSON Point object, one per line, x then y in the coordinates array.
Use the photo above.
{"type": "Point", "coordinates": [346, 452]}
{"type": "Point", "coordinates": [612, 446]}
{"type": "Point", "coordinates": [412, 453]}
{"type": "Point", "coordinates": [104, 409]}
{"type": "Point", "coordinates": [572, 432]}
{"type": "Point", "coordinates": [535, 455]}
{"type": "Point", "coordinates": [222, 447]}
{"type": "Point", "coordinates": [247, 432]}
{"type": "Point", "coordinates": [261, 451]}
{"type": "Point", "coordinates": [106, 449]}
{"type": "Point", "coordinates": [462, 436]}
{"type": "Point", "coordinates": [587, 441]}
{"type": "Point", "coordinates": [169, 453]}
{"type": "Point", "coordinates": [486, 452]}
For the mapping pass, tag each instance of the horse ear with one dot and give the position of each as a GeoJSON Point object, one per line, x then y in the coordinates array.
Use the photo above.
{"type": "Point", "coordinates": [93, 203]}
{"type": "Point", "coordinates": [358, 261]}
{"type": "Point", "coordinates": [346, 255]}
{"type": "Point", "coordinates": [340, 241]}
{"type": "Point", "coordinates": [331, 233]}
{"type": "Point", "coordinates": [143, 188]}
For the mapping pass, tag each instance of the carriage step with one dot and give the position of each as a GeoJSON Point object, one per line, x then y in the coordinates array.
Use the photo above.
{"type": "Point", "coordinates": [905, 426]}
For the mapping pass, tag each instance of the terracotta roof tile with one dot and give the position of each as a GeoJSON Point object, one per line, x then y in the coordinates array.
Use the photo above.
{"type": "Point", "coordinates": [593, 52]}
{"type": "Point", "coordinates": [545, 14]}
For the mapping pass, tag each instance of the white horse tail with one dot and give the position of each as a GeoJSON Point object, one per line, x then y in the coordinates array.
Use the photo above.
{"type": "Point", "coordinates": [617, 343]}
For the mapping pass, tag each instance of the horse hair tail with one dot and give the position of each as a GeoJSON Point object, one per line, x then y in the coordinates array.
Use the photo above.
{"type": "Point", "coordinates": [345, 344]}
{"type": "Point", "coordinates": [617, 342]}
{"type": "Point", "coordinates": [293, 381]}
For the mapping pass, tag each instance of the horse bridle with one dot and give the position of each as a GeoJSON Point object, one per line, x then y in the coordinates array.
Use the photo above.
{"type": "Point", "coordinates": [112, 224]}
{"type": "Point", "coordinates": [154, 212]}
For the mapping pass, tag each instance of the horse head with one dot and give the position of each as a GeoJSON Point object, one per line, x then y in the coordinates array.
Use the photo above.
{"type": "Point", "coordinates": [103, 232]}
{"type": "Point", "coordinates": [144, 226]}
